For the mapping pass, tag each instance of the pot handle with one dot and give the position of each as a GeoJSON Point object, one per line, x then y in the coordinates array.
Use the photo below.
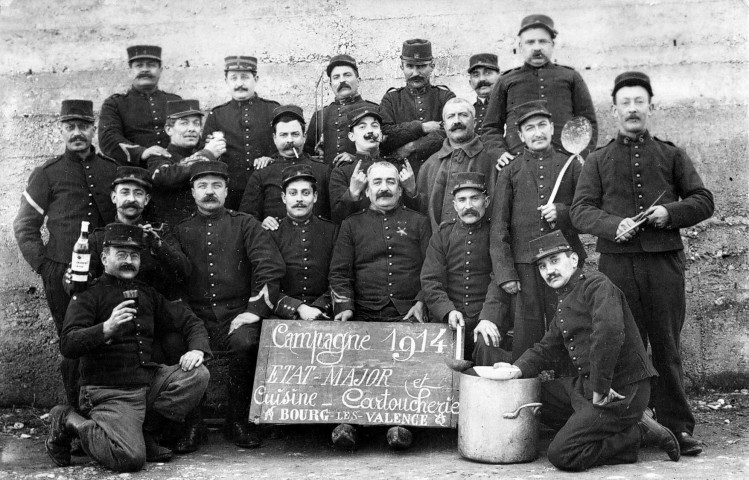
{"type": "Point", "coordinates": [535, 405]}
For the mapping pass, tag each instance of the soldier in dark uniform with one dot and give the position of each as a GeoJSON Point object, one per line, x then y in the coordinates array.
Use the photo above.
{"type": "Point", "coordinates": [411, 115]}
{"type": "Point", "coordinates": [483, 73]}
{"type": "Point", "coordinates": [131, 125]}
{"type": "Point", "coordinates": [537, 79]}
{"type": "Point", "coordinates": [522, 213]}
{"type": "Point", "coordinates": [602, 412]}
{"type": "Point", "coordinates": [263, 195]}
{"type": "Point", "coordinates": [457, 270]}
{"type": "Point", "coordinates": [306, 244]}
{"type": "Point", "coordinates": [172, 201]}
{"type": "Point", "coordinates": [616, 187]}
{"type": "Point", "coordinates": [374, 273]}
{"type": "Point", "coordinates": [233, 283]}
{"type": "Point", "coordinates": [462, 151]}
{"type": "Point", "coordinates": [245, 123]}
{"type": "Point", "coordinates": [126, 397]}
{"type": "Point", "coordinates": [348, 180]}
{"type": "Point", "coordinates": [328, 128]}
{"type": "Point", "coordinates": [66, 190]}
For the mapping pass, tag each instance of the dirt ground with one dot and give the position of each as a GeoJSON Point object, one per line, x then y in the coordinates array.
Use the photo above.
{"type": "Point", "coordinates": [306, 452]}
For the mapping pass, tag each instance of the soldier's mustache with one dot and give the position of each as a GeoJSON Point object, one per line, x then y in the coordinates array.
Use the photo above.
{"type": "Point", "coordinates": [127, 267]}
{"type": "Point", "coordinates": [130, 205]}
{"type": "Point", "coordinates": [372, 136]}
{"type": "Point", "coordinates": [343, 85]}
{"type": "Point", "coordinates": [241, 89]}
{"type": "Point", "coordinates": [483, 83]}
{"type": "Point", "coordinates": [457, 126]}
{"type": "Point", "coordinates": [471, 211]}
{"type": "Point", "coordinates": [144, 75]}
{"type": "Point", "coordinates": [550, 277]}
{"type": "Point", "coordinates": [417, 78]}
{"type": "Point", "coordinates": [76, 138]}
{"type": "Point", "coordinates": [633, 116]}
{"type": "Point", "coordinates": [210, 197]}
{"type": "Point", "coordinates": [384, 194]}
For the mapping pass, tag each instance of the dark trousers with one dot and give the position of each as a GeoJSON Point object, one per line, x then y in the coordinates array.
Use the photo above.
{"type": "Point", "coordinates": [591, 435]}
{"type": "Point", "coordinates": [654, 286]}
{"type": "Point", "coordinates": [532, 309]}
{"type": "Point", "coordinates": [387, 313]}
{"type": "Point", "coordinates": [57, 299]}
{"type": "Point", "coordinates": [113, 434]}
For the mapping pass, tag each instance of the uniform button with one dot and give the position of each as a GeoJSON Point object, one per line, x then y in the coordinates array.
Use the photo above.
{"type": "Point", "coordinates": [385, 219]}
{"type": "Point", "coordinates": [209, 233]}
{"type": "Point", "coordinates": [540, 186]}
{"type": "Point", "coordinates": [572, 348]}
{"type": "Point", "coordinates": [387, 228]}
{"type": "Point", "coordinates": [541, 167]}
{"type": "Point", "coordinates": [639, 196]}
{"type": "Point", "coordinates": [390, 284]}
{"type": "Point", "coordinates": [468, 253]}
{"type": "Point", "coordinates": [639, 185]}
{"type": "Point", "coordinates": [306, 249]}
{"type": "Point", "coordinates": [561, 321]}
{"type": "Point", "coordinates": [210, 224]}
{"type": "Point", "coordinates": [543, 96]}
{"type": "Point", "coordinates": [469, 242]}
{"type": "Point", "coordinates": [564, 331]}
{"type": "Point", "coordinates": [211, 273]}
{"type": "Point", "coordinates": [92, 186]}
{"type": "Point", "coordinates": [306, 259]}
{"type": "Point", "coordinates": [90, 194]}
{"type": "Point", "coordinates": [468, 262]}
{"type": "Point", "coordinates": [390, 263]}
{"type": "Point", "coordinates": [210, 264]}
{"type": "Point", "coordinates": [390, 273]}
{"type": "Point", "coordinates": [466, 287]}
{"type": "Point", "coordinates": [542, 229]}
{"type": "Point", "coordinates": [638, 175]}
{"type": "Point", "coordinates": [89, 214]}
{"type": "Point", "coordinates": [214, 295]}
{"type": "Point", "coordinates": [213, 284]}
{"type": "Point", "coordinates": [214, 304]}
{"type": "Point", "coordinates": [210, 254]}
{"type": "Point", "coordinates": [579, 369]}
{"type": "Point", "coordinates": [541, 87]}
{"type": "Point", "coordinates": [390, 248]}
{"type": "Point", "coordinates": [543, 196]}
{"type": "Point", "coordinates": [470, 233]}
{"type": "Point", "coordinates": [390, 256]}
{"type": "Point", "coordinates": [209, 243]}
{"type": "Point", "coordinates": [391, 294]}
{"type": "Point", "coordinates": [304, 239]}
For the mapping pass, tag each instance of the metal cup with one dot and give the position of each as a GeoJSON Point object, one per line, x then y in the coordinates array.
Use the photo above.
{"type": "Point", "coordinates": [218, 135]}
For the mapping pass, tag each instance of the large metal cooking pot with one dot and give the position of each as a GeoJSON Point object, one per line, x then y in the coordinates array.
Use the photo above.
{"type": "Point", "coordinates": [498, 419]}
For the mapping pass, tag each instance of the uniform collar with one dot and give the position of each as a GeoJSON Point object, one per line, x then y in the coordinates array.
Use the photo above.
{"type": "Point", "coordinates": [249, 101]}
{"type": "Point", "coordinates": [183, 151]}
{"type": "Point", "coordinates": [481, 101]}
{"type": "Point", "coordinates": [419, 91]}
{"type": "Point", "coordinates": [305, 223]}
{"type": "Point", "coordinates": [348, 100]}
{"type": "Point", "coordinates": [471, 149]}
{"type": "Point", "coordinates": [213, 216]}
{"type": "Point", "coordinates": [107, 279]}
{"type": "Point", "coordinates": [625, 140]}
{"type": "Point", "coordinates": [576, 277]}
{"type": "Point", "coordinates": [73, 156]}
{"type": "Point", "coordinates": [278, 158]}
{"type": "Point", "coordinates": [144, 94]}
{"type": "Point", "coordinates": [545, 154]}
{"type": "Point", "coordinates": [365, 157]}
{"type": "Point", "coordinates": [527, 66]}
{"type": "Point", "coordinates": [474, 226]}
{"type": "Point", "coordinates": [388, 213]}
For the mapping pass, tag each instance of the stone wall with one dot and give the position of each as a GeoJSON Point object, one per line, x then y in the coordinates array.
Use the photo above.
{"type": "Point", "coordinates": [694, 50]}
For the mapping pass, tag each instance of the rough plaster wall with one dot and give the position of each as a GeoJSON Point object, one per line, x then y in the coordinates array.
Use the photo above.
{"type": "Point", "coordinates": [694, 50]}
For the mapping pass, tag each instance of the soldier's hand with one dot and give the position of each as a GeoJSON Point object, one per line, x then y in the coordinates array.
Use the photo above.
{"type": "Point", "coordinates": [489, 331]}
{"type": "Point", "coordinates": [358, 181]}
{"type": "Point", "coordinates": [454, 319]}
{"type": "Point", "coordinates": [343, 157]}
{"type": "Point", "coordinates": [270, 223]}
{"type": "Point", "coordinates": [407, 179]}
{"type": "Point", "coordinates": [153, 238]}
{"type": "Point", "coordinates": [245, 318]}
{"type": "Point", "coordinates": [191, 359]}
{"type": "Point", "coordinates": [504, 160]}
{"type": "Point", "coordinates": [308, 313]}
{"type": "Point", "coordinates": [121, 314]}
{"type": "Point", "coordinates": [155, 151]}
{"type": "Point", "coordinates": [512, 287]}
{"type": "Point", "coordinates": [405, 150]}
{"type": "Point", "coordinates": [431, 126]}
{"type": "Point", "coordinates": [624, 225]}
{"type": "Point", "coordinates": [217, 146]}
{"type": "Point", "coordinates": [344, 316]}
{"type": "Point", "coordinates": [67, 281]}
{"type": "Point", "coordinates": [262, 162]}
{"type": "Point", "coordinates": [601, 399]}
{"type": "Point", "coordinates": [516, 372]}
{"type": "Point", "coordinates": [417, 312]}
{"type": "Point", "coordinates": [658, 216]}
{"type": "Point", "coordinates": [549, 212]}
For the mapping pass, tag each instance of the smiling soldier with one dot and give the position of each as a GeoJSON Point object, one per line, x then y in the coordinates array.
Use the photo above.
{"type": "Point", "coordinates": [483, 73]}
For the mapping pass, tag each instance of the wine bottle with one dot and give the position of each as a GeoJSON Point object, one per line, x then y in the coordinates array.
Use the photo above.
{"type": "Point", "coordinates": [81, 261]}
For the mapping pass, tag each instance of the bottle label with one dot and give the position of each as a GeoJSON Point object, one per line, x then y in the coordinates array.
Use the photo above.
{"type": "Point", "coordinates": [79, 278]}
{"type": "Point", "coordinates": [81, 262]}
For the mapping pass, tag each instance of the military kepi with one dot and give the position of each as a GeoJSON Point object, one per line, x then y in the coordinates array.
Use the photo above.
{"type": "Point", "coordinates": [538, 21]}
{"type": "Point", "coordinates": [631, 79]}
{"type": "Point", "coordinates": [549, 244]}
{"type": "Point", "coordinates": [475, 180]}
{"type": "Point", "coordinates": [417, 51]}
{"type": "Point", "coordinates": [239, 63]}
{"type": "Point", "coordinates": [77, 110]}
{"type": "Point", "coordinates": [128, 174]}
{"type": "Point", "coordinates": [296, 172]}
{"type": "Point", "coordinates": [354, 115]}
{"type": "Point", "coordinates": [342, 59]}
{"type": "Point", "coordinates": [288, 110]}
{"type": "Point", "coordinates": [182, 108]}
{"type": "Point", "coordinates": [201, 169]}
{"type": "Point", "coordinates": [149, 52]}
{"type": "Point", "coordinates": [486, 60]}
{"type": "Point", "coordinates": [526, 110]}
{"type": "Point", "coordinates": [122, 235]}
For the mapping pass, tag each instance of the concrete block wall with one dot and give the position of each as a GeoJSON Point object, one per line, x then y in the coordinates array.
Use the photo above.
{"type": "Point", "coordinates": [694, 50]}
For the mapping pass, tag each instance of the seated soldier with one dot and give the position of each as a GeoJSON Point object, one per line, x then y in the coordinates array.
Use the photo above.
{"type": "Point", "coordinates": [262, 196]}
{"type": "Point", "coordinates": [306, 245]}
{"type": "Point", "coordinates": [601, 413]}
{"type": "Point", "coordinates": [125, 398]}
{"type": "Point", "coordinates": [457, 271]}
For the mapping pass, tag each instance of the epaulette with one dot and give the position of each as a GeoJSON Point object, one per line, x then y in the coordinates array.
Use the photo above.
{"type": "Point", "coordinates": [394, 89]}
{"type": "Point", "coordinates": [235, 213]}
{"type": "Point", "coordinates": [663, 141]}
{"type": "Point", "coordinates": [268, 101]}
{"type": "Point", "coordinates": [118, 95]}
{"type": "Point", "coordinates": [107, 157]}
{"type": "Point", "coordinates": [372, 103]}
{"type": "Point", "coordinates": [187, 219]}
{"type": "Point", "coordinates": [414, 211]}
{"type": "Point", "coordinates": [325, 220]}
{"type": "Point", "coordinates": [604, 146]}
{"type": "Point", "coordinates": [446, 224]}
{"type": "Point", "coordinates": [565, 66]}
{"type": "Point", "coordinates": [170, 93]}
{"type": "Point", "coordinates": [443, 87]}
{"type": "Point", "coordinates": [360, 212]}
{"type": "Point", "coordinates": [219, 106]}
{"type": "Point", "coordinates": [510, 70]}
{"type": "Point", "coordinates": [51, 161]}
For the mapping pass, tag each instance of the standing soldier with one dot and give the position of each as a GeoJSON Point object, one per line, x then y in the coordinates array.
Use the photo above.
{"type": "Point", "coordinates": [462, 151]}
{"type": "Point", "coordinates": [617, 187]}
{"type": "Point", "coordinates": [172, 200]}
{"type": "Point", "coordinates": [328, 127]}
{"type": "Point", "coordinates": [522, 212]}
{"type": "Point", "coordinates": [65, 191]}
{"type": "Point", "coordinates": [411, 115]}
{"type": "Point", "coordinates": [306, 245]}
{"type": "Point", "coordinates": [131, 125]}
{"type": "Point", "coordinates": [537, 79]}
{"type": "Point", "coordinates": [233, 283]}
{"type": "Point", "coordinates": [245, 123]}
{"type": "Point", "coordinates": [483, 73]}
{"type": "Point", "coordinates": [263, 197]}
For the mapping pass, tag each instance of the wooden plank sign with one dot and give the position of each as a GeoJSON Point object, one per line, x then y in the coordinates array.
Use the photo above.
{"type": "Point", "coordinates": [355, 372]}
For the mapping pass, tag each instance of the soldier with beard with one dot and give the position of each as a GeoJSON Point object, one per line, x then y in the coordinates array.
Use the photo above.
{"type": "Point", "coordinates": [462, 151]}
{"type": "Point", "coordinates": [328, 127]}
{"type": "Point", "coordinates": [483, 73]}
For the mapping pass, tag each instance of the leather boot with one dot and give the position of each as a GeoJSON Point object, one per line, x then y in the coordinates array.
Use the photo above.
{"type": "Point", "coordinates": [237, 428]}
{"type": "Point", "coordinates": [192, 434]}
{"type": "Point", "coordinates": [399, 438]}
{"type": "Point", "coordinates": [656, 435]}
{"type": "Point", "coordinates": [345, 437]}
{"type": "Point", "coordinates": [58, 441]}
{"type": "Point", "coordinates": [153, 424]}
{"type": "Point", "coordinates": [689, 445]}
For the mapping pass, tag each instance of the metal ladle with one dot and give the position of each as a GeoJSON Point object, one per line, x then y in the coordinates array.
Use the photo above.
{"type": "Point", "coordinates": [458, 364]}
{"type": "Point", "coordinates": [576, 135]}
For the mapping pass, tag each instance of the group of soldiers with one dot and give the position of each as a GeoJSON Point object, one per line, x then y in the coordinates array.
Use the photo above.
{"type": "Point", "coordinates": [426, 207]}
